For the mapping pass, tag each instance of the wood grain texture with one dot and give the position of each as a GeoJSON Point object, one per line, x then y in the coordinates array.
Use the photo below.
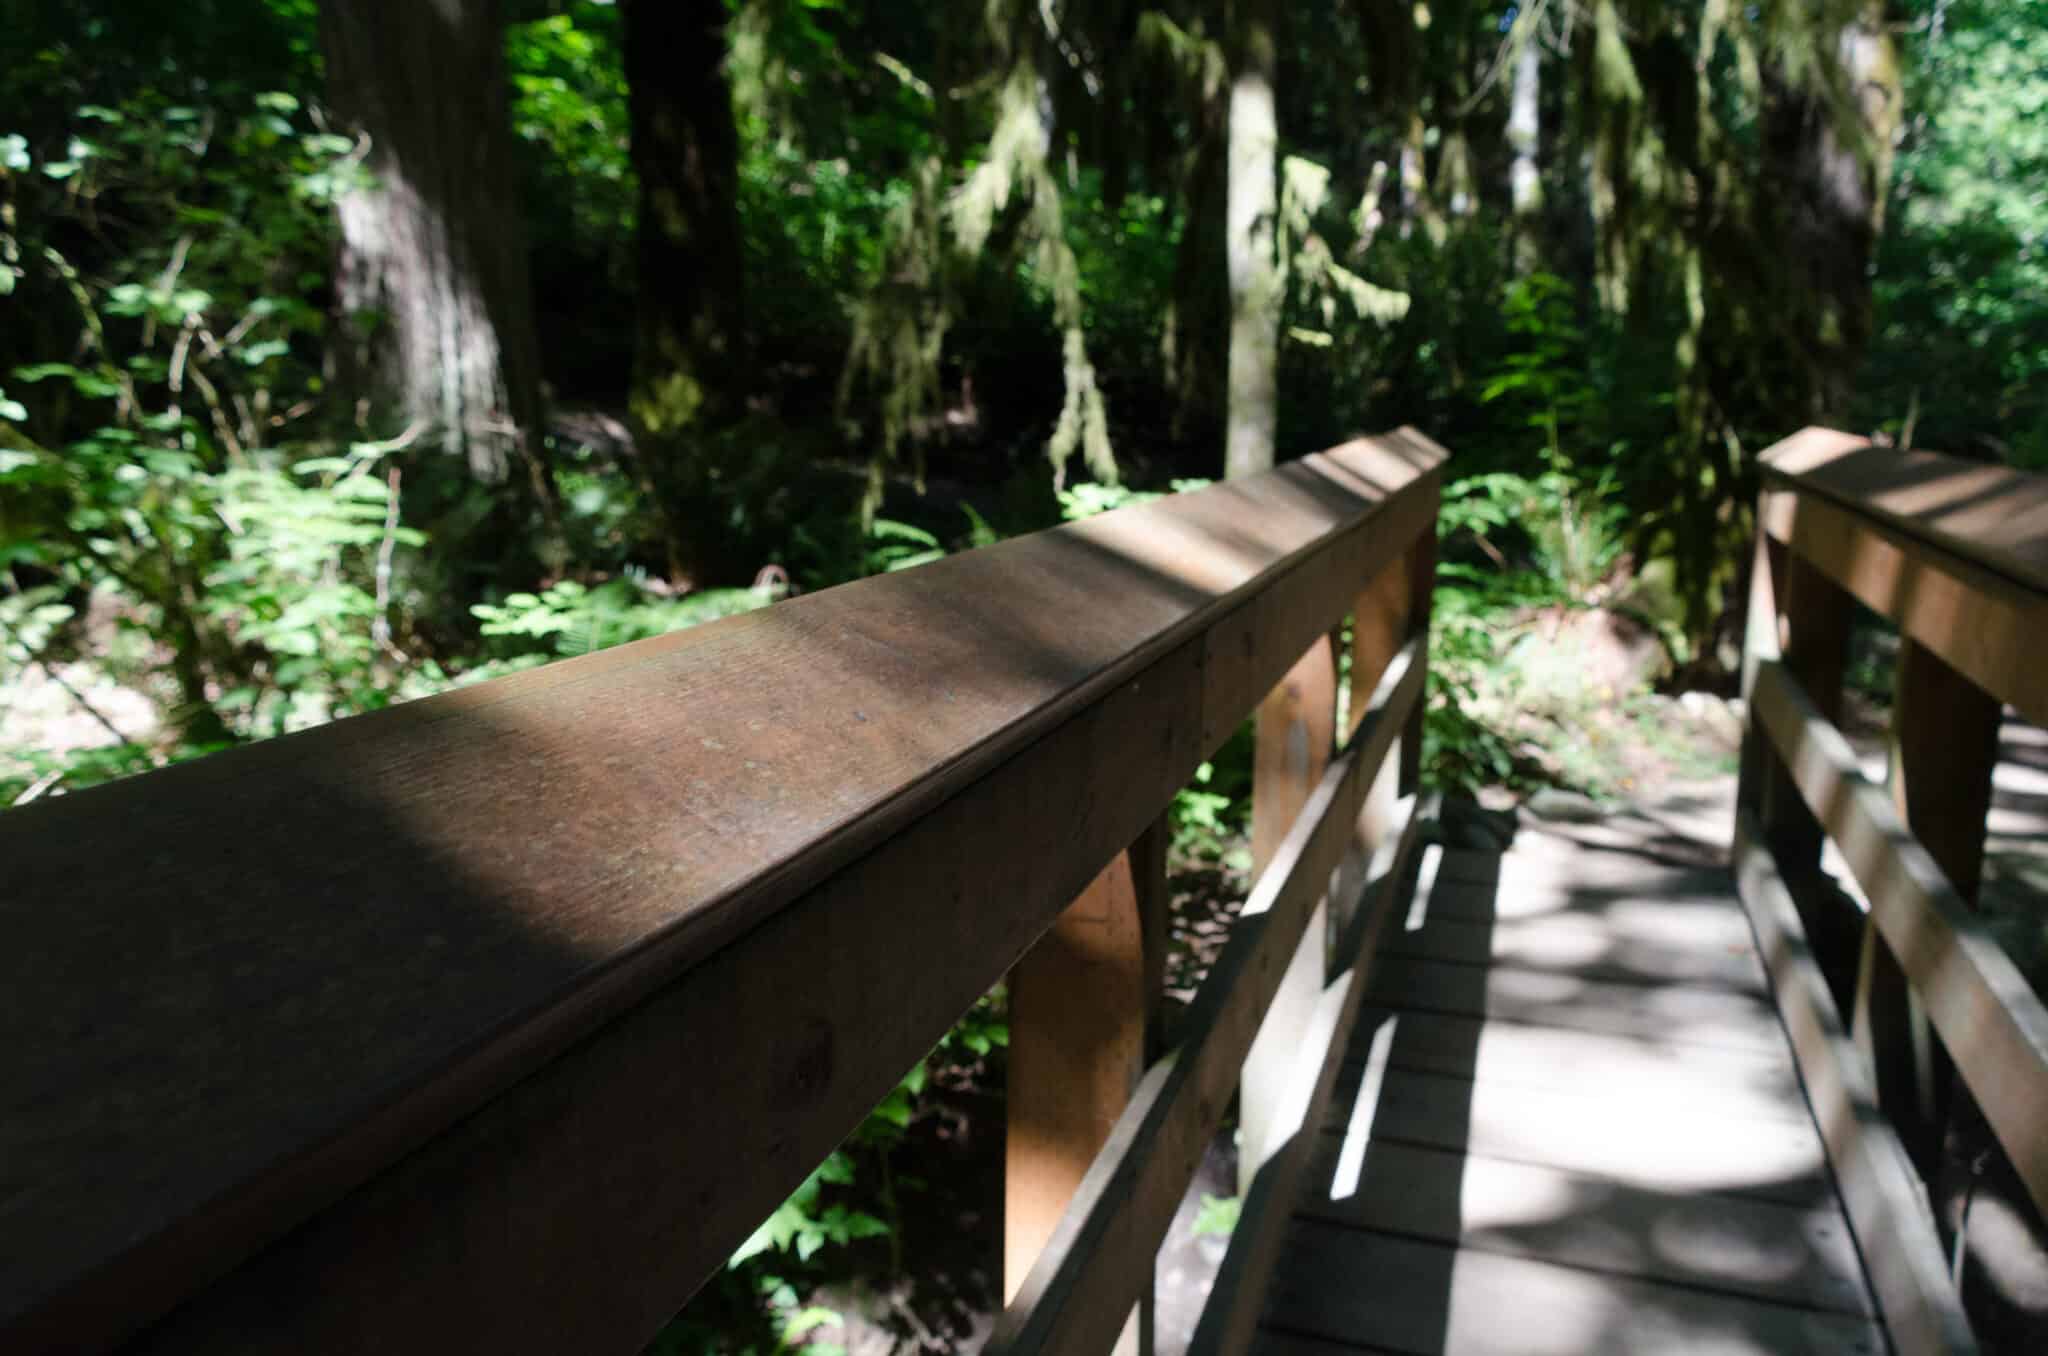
{"type": "Point", "coordinates": [1078, 1005]}
{"type": "Point", "coordinates": [1296, 736]}
{"type": "Point", "coordinates": [1523, 1157]}
{"type": "Point", "coordinates": [1075, 1298]}
{"type": "Point", "coordinates": [1978, 620]}
{"type": "Point", "coordinates": [1751, 1084]}
{"type": "Point", "coordinates": [1643, 946]}
{"type": "Point", "coordinates": [1675, 1140]}
{"type": "Point", "coordinates": [239, 989]}
{"type": "Point", "coordinates": [1397, 1294]}
{"type": "Point", "coordinates": [1992, 514]}
{"type": "Point", "coordinates": [1680, 1014]}
{"type": "Point", "coordinates": [1798, 1254]}
{"type": "Point", "coordinates": [1880, 1192]}
{"type": "Point", "coordinates": [1989, 1018]}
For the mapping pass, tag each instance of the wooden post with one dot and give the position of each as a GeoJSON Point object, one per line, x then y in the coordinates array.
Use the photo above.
{"type": "Point", "coordinates": [1761, 641]}
{"type": "Point", "coordinates": [1379, 627]}
{"type": "Point", "coordinates": [1083, 1007]}
{"type": "Point", "coordinates": [1811, 618]}
{"type": "Point", "coordinates": [1944, 747]}
{"type": "Point", "coordinates": [1296, 736]}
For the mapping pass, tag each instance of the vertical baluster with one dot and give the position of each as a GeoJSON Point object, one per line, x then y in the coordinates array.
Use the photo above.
{"type": "Point", "coordinates": [1421, 578]}
{"type": "Point", "coordinates": [1083, 1024]}
{"type": "Point", "coordinates": [1296, 734]}
{"type": "Point", "coordinates": [1379, 627]}
{"type": "Point", "coordinates": [1944, 747]}
{"type": "Point", "coordinates": [1802, 616]}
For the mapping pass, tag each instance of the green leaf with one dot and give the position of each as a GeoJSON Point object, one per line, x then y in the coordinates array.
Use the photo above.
{"type": "Point", "coordinates": [255, 355]}
{"type": "Point", "coordinates": [14, 151]}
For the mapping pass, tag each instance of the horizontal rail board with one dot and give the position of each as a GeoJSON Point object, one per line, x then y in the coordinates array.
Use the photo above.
{"type": "Point", "coordinates": [1991, 514]}
{"type": "Point", "coordinates": [404, 954]}
{"type": "Point", "coordinates": [1983, 624]}
{"type": "Point", "coordinates": [1100, 1257]}
{"type": "Point", "coordinates": [1994, 1026]}
{"type": "Point", "coordinates": [1889, 1216]}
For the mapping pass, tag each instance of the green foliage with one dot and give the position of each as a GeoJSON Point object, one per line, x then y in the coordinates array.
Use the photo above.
{"type": "Point", "coordinates": [1218, 1216]}
{"type": "Point", "coordinates": [572, 618]}
{"type": "Point", "coordinates": [1960, 358]}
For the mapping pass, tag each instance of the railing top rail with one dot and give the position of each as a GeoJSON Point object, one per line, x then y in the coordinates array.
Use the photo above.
{"type": "Point", "coordinates": [236, 989]}
{"type": "Point", "coordinates": [1992, 515]}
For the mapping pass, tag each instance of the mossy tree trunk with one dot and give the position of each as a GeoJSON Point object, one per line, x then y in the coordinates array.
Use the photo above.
{"type": "Point", "coordinates": [1831, 152]}
{"type": "Point", "coordinates": [688, 374]}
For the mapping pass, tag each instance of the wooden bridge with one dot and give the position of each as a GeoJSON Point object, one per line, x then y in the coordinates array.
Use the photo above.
{"type": "Point", "coordinates": [497, 1020]}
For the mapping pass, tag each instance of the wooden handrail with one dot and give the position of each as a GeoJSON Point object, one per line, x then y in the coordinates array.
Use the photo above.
{"type": "Point", "coordinates": [1956, 555]}
{"type": "Point", "coordinates": [498, 1019]}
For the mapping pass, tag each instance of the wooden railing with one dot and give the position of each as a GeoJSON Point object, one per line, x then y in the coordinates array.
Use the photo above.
{"type": "Point", "coordinates": [497, 1020]}
{"type": "Point", "coordinates": [1955, 554]}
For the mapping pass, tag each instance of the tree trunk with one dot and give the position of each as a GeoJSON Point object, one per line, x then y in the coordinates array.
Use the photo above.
{"type": "Point", "coordinates": [686, 154]}
{"type": "Point", "coordinates": [1832, 187]}
{"type": "Point", "coordinates": [1525, 183]}
{"type": "Point", "coordinates": [1257, 281]}
{"type": "Point", "coordinates": [688, 371]}
{"type": "Point", "coordinates": [432, 253]}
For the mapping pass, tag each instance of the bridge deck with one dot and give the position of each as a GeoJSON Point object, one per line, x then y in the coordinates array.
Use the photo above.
{"type": "Point", "coordinates": [1569, 1122]}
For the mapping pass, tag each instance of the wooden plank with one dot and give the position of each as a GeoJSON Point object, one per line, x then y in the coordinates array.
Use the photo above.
{"type": "Point", "coordinates": [1296, 734]}
{"type": "Point", "coordinates": [1639, 947]}
{"type": "Point", "coordinates": [1400, 1294]}
{"type": "Point", "coordinates": [1077, 1295]}
{"type": "Point", "coordinates": [1673, 1141]}
{"type": "Point", "coordinates": [1681, 1014]}
{"type": "Point", "coordinates": [1879, 1191]}
{"type": "Point", "coordinates": [1994, 1026]}
{"type": "Point", "coordinates": [1759, 1084]}
{"type": "Point", "coordinates": [1763, 1249]}
{"type": "Point", "coordinates": [1814, 622]}
{"type": "Point", "coordinates": [1576, 869]}
{"type": "Point", "coordinates": [1078, 1008]}
{"type": "Point", "coordinates": [1994, 515]}
{"type": "Point", "coordinates": [1701, 898]}
{"type": "Point", "coordinates": [628, 1169]}
{"type": "Point", "coordinates": [1237, 1295]}
{"type": "Point", "coordinates": [1979, 621]}
{"type": "Point", "coordinates": [446, 896]}
{"type": "Point", "coordinates": [1379, 627]}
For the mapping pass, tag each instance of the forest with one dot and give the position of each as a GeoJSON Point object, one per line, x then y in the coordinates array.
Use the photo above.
{"type": "Point", "coordinates": [357, 349]}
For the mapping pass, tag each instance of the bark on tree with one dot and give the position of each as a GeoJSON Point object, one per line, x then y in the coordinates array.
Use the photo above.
{"type": "Point", "coordinates": [1257, 281]}
{"type": "Point", "coordinates": [688, 373]}
{"type": "Point", "coordinates": [1833, 166]}
{"type": "Point", "coordinates": [686, 154]}
{"type": "Point", "coordinates": [433, 257]}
